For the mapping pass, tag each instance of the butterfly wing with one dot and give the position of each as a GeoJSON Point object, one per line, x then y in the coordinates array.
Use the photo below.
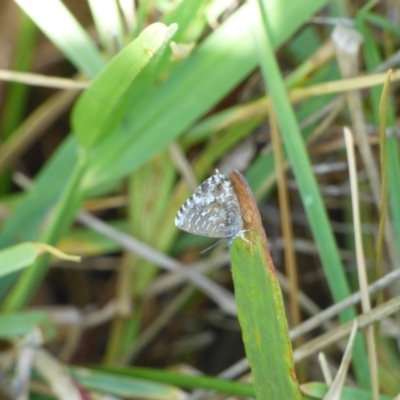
{"type": "Point", "coordinates": [212, 211]}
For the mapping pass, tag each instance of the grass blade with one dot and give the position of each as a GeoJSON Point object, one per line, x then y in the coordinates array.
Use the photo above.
{"type": "Point", "coordinates": [59, 25]}
{"type": "Point", "coordinates": [305, 178]}
{"type": "Point", "coordinates": [260, 306]}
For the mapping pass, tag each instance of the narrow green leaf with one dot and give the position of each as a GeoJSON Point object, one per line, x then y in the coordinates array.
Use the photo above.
{"type": "Point", "coordinates": [191, 19]}
{"type": "Point", "coordinates": [217, 77]}
{"type": "Point", "coordinates": [382, 22]}
{"type": "Point", "coordinates": [16, 94]}
{"type": "Point", "coordinates": [373, 59]}
{"type": "Point", "coordinates": [301, 165]}
{"type": "Point", "coordinates": [14, 325]}
{"type": "Point", "coordinates": [120, 385]}
{"type": "Point", "coordinates": [59, 25]}
{"type": "Point", "coordinates": [317, 390]}
{"type": "Point", "coordinates": [108, 23]}
{"type": "Point", "coordinates": [260, 306]}
{"type": "Point", "coordinates": [184, 380]}
{"type": "Point", "coordinates": [41, 196]}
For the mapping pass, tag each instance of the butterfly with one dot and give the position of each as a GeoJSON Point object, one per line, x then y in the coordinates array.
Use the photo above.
{"type": "Point", "coordinates": [213, 210]}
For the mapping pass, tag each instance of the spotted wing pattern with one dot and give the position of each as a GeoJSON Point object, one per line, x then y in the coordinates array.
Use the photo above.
{"type": "Point", "coordinates": [212, 211]}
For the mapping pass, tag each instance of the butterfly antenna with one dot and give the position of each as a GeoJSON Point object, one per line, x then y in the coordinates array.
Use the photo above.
{"type": "Point", "coordinates": [209, 248]}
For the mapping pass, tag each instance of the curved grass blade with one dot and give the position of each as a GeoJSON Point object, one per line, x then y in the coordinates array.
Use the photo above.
{"type": "Point", "coordinates": [100, 108]}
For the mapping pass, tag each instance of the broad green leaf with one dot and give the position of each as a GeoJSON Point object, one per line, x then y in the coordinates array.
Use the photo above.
{"type": "Point", "coordinates": [214, 68]}
{"type": "Point", "coordinates": [100, 108]}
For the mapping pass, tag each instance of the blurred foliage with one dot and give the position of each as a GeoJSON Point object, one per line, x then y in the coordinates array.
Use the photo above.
{"type": "Point", "coordinates": [153, 98]}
